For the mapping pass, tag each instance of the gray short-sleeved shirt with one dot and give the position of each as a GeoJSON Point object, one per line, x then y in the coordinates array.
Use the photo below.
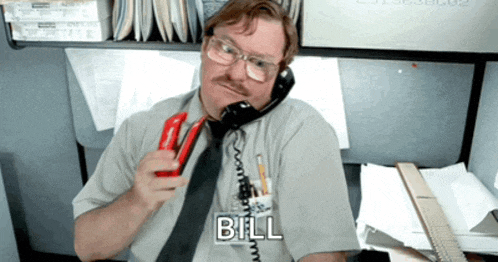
{"type": "Point", "coordinates": [301, 156]}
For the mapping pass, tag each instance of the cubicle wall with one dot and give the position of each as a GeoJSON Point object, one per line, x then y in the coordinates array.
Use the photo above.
{"type": "Point", "coordinates": [484, 155]}
{"type": "Point", "coordinates": [405, 111]}
{"type": "Point", "coordinates": [8, 245]}
{"type": "Point", "coordinates": [38, 147]}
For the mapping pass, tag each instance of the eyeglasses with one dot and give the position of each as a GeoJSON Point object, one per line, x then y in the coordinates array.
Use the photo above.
{"type": "Point", "coordinates": [227, 54]}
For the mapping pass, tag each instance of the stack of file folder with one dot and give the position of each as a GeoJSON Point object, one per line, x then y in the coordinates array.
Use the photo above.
{"type": "Point", "coordinates": [100, 20]}
{"type": "Point", "coordinates": [88, 20]}
{"type": "Point", "coordinates": [174, 20]}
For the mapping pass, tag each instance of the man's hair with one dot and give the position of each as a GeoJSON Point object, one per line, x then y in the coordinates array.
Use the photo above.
{"type": "Point", "coordinates": [236, 10]}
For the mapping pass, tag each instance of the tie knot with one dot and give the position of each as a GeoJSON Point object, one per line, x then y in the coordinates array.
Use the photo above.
{"type": "Point", "coordinates": [218, 130]}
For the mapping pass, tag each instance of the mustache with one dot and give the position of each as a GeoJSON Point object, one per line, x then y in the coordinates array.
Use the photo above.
{"type": "Point", "coordinates": [236, 86]}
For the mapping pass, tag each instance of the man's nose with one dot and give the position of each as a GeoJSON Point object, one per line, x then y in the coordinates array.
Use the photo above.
{"type": "Point", "coordinates": [237, 71]}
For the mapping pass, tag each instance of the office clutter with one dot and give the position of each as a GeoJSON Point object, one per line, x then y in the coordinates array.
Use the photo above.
{"type": "Point", "coordinates": [387, 218]}
{"type": "Point", "coordinates": [59, 21]}
{"type": "Point", "coordinates": [99, 20]}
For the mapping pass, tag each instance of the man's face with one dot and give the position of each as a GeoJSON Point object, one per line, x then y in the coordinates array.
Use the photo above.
{"type": "Point", "coordinates": [223, 85]}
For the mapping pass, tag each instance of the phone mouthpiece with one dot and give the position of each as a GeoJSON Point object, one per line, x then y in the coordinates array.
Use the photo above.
{"type": "Point", "coordinates": [236, 115]}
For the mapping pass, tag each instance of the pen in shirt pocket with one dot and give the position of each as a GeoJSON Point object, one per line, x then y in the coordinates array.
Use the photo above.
{"type": "Point", "coordinates": [262, 175]}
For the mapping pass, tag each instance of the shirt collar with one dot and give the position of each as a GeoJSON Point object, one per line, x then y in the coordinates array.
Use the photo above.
{"type": "Point", "coordinates": [194, 108]}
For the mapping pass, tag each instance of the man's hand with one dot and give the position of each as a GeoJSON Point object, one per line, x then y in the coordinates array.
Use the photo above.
{"type": "Point", "coordinates": [152, 191]}
{"type": "Point", "coordinates": [104, 232]}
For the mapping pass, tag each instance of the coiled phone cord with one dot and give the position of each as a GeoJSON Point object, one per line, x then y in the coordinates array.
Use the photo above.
{"type": "Point", "coordinates": [244, 194]}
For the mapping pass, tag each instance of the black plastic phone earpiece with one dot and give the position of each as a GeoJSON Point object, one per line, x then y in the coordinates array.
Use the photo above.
{"type": "Point", "coordinates": [283, 84]}
{"type": "Point", "coordinates": [237, 114]}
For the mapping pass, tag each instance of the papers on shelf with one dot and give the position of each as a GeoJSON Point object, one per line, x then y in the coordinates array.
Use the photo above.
{"type": "Point", "coordinates": [62, 31]}
{"type": "Point", "coordinates": [200, 12]}
{"type": "Point", "coordinates": [192, 19]}
{"type": "Point", "coordinates": [57, 21]}
{"type": "Point", "coordinates": [323, 93]}
{"type": "Point", "coordinates": [90, 10]}
{"type": "Point", "coordinates": [101, 73]}
{"type": "Point", "coordinates": [175, 19]}
{"type": "Point", "coordinates": [137, 20]}
{"type": "Point", "coordinates": [386, 209]}
{"type": "Point", "coordinates": [179, 18]}
{"type": "Point", "coordinates": [161, 12]}
{"type": "Point", "coordinates": [294, 10]}
{"type": "Point", "coordinates": [122, 15]}
{"type": "Point", "coordinates": [147, 19]}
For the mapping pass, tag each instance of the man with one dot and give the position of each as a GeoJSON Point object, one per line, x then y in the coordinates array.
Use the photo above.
{"type": "Point", "coordinates": [125, 204]}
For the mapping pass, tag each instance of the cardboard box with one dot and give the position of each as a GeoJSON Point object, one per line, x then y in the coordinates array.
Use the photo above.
{"type": "Point", "coordinates": [91, 10]}
{"type": "Point", "coordinates": [91, 31]}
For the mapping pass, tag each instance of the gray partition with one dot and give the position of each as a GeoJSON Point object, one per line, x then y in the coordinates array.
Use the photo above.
{"type": "Point", "coordinates": [405, 111]}
{"type": "Point", "coordinates": [483, 158]}
{"type": "Point", "coordinates": [38, 147]}
{"type": "Point", "coordinates": [8, 246]}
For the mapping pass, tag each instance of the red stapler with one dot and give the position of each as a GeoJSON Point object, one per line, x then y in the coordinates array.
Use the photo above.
{"type": "Point", "coordinates": [169, 141]}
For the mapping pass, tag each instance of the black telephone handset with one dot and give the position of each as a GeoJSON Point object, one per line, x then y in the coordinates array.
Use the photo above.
{"type": "Point", "coordinates": [237, 114]}
{"type": "Point", "coordinates": [240, 113]}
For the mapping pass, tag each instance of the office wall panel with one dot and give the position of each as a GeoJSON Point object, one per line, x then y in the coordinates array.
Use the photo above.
{"type": "Point", "coordinates": [36, 130]}
{"type": "Point", "coordinates": [405, 111]}
{"type": "Point", "coordinates": [484, 154]}
{"type": "Point", "coordinates": [8, 246]}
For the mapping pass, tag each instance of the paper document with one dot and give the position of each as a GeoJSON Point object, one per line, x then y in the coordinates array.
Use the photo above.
{"type": "Point", "coordinates": [137, 19]}
{"type": "Point", "coordinates": [386, 207]}
{"type": "Point", "coordinates": [318, 83]}
{"type": "Point", "coordinates": [147, 16]}
{"type": "Point", "coordinates": [100, 74]}
{"type": "Point", "coordinates": [476, 204]}
{"type": "Point", "coordinates": [150, 79]}
{"type": "Point", "coordinates": [161, 11]}
{"type": "Point", "coordinates": [460, 192]}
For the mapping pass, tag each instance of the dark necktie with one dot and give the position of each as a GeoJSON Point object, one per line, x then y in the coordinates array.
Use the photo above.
{"type": "Point", "coordinates": [182, 242]}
